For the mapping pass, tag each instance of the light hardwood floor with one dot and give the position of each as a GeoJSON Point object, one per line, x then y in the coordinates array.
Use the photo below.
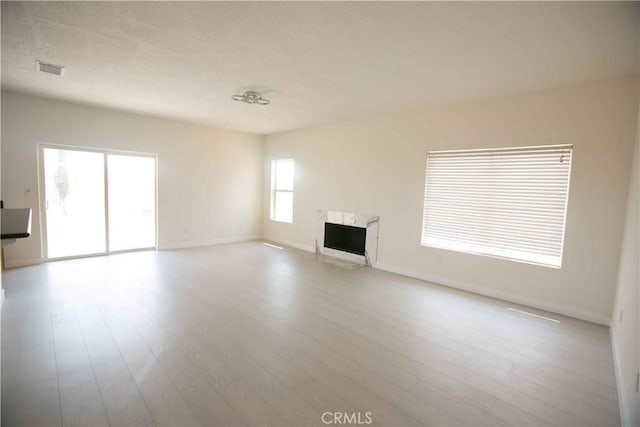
{"type": "Point", "coordinates": [247, 334]}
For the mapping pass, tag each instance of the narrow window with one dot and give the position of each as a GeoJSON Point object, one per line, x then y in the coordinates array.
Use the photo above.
{"type": "Point", "coordinates": [282, 190]}
{"type": "Point", "coordinates": [507, 203]}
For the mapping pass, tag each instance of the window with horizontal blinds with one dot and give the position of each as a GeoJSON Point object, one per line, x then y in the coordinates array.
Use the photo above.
{"type": "Point", "coordinates": [508, 203]}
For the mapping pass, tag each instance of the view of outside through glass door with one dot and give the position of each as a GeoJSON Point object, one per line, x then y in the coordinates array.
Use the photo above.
{"type": "Point", "coordinates": [132, 201]}
{"type": "Point", "coordinates": [74, 202]}
{"type": "Point", "coordinates": [78, 215]}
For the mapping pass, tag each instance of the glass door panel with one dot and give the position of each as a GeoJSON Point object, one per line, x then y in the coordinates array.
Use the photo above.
{"type": "Point", "coordinates": [132, 200]}
{"type": "Point", "coordinates": [74, 202]}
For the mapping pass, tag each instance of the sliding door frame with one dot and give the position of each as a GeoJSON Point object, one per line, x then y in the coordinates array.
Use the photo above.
{"type": "Point", "coordinates": [42, 208]}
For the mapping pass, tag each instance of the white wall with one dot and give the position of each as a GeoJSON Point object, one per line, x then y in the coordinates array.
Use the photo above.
{"type": "Point", "coordinates": [376, 165]}
{"type": "Point", "coordinates": [625, 324]}
{"type": "Point", "coordinates": [209, 179]}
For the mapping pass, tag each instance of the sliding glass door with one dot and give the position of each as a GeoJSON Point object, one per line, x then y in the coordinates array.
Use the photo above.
{"type": "Point", "coordinates": [74, 202]}
{"type": "Point", "coordinates": [132, 202]}
{"type": "Point", "coordinates": [97, 202]}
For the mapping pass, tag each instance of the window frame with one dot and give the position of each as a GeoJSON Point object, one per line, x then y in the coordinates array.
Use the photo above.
{"type": "Point", "coordinates": [275, 190]}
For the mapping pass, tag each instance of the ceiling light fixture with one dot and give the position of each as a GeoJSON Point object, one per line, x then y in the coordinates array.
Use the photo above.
{"type": "Point", "coordinates": [251, 97]}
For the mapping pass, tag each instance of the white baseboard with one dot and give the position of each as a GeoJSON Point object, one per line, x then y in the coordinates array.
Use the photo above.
{"type": "Point", "coordinates": [622, 397]}
{"type": "Point", "coordinates": [13, 263]}
{"type": "Point", "coordinates": [198, 243]}
{"type": "Point", "coordinates": [307, 248]}
{"type": "Point", "coordinates": [481, 290]}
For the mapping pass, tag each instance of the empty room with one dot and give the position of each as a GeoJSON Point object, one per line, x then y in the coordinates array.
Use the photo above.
{"type": "Point", "coordinates": [320, 213]}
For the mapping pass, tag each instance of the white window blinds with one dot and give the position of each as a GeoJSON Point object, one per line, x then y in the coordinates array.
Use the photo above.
{"type": "Point", "coordinates": [508, 203]}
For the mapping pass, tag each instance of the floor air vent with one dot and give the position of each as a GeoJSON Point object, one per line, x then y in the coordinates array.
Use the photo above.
{"type": "Point", "coordinates": [45, 67]}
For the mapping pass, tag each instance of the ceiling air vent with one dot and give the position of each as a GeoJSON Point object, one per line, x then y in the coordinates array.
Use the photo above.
{"type": "Point", "coordinates": [45, 67]}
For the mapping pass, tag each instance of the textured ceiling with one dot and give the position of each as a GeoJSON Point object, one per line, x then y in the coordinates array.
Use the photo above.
{"type": "Point", "coordinates": [315, 61]}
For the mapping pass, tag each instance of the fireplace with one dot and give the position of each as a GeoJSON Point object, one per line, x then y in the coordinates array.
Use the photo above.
{"type": "Point", "coordinates": [345, 238]}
